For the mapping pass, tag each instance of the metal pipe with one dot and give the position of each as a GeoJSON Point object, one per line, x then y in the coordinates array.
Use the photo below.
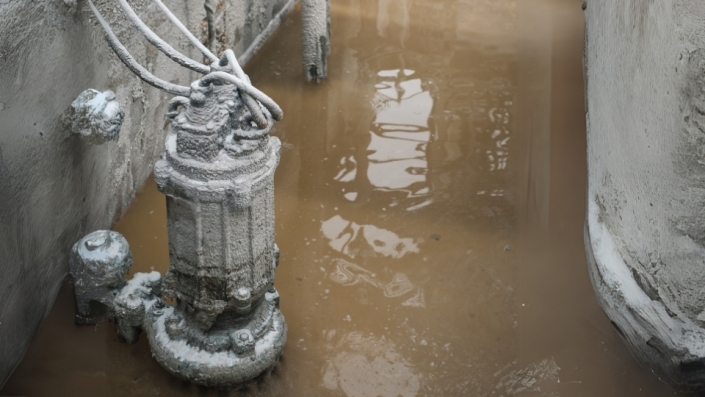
{"type": "Point", "coordinates": [132, 64]}
{"type": "Point", "coordinates": [315, 36]}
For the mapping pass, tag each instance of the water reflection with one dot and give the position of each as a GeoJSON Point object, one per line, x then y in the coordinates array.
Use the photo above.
{"type": "Point", "coordinates": [515, 381]}
{"type": "Point", "coordinates": [349, 274]}
{"type": "Point", "coordinates": [393, 19]}
{"type": "Point", "coordinates": [418, 124]}
{"type": "Point", "coordinates": [427, 129]}
{"type": "Point", "coordinates": [365, 241]}
{"type": "Point", "coordinates": [349, 238]}
{"type": "Point", "coordinates": [400, 135]}
{"type": "Point", "coordinates": [394, 158]}
{"type": "Point", "coordinates": [367, 366]}
{"type": "Point", "coordinates": [499, 119]}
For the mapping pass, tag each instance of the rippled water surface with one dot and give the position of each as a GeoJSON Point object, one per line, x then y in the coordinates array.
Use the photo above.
{"type": "Point", "coordinates": [429, 204]}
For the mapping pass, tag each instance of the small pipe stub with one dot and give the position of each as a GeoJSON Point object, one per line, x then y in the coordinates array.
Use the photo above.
{"type": "Point", "coordinates": [96, 116]}
{"type": "Point", "coordinates": [98, 264]}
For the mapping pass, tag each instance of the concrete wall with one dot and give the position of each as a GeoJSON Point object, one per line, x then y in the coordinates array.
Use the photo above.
{"type": "Point", "coordinates": [54, 187]}
{"type": "Point", "coordinates": [645, 76]}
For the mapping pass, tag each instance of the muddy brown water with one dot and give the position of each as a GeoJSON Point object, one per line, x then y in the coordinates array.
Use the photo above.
{"type": "Point", "coordinates": [430, 207]}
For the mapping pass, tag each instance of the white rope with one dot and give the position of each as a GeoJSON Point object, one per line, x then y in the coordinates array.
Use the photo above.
{"type": "Point", "coordinates": [132, 64]}
{"type": "Point", "coordinates": [197, 43]}
{"type": "Point", "coordinates": [266, 101]}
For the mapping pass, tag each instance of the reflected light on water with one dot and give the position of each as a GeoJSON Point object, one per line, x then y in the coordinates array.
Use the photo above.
{"type": "Point", "coordinates": [344, 234]}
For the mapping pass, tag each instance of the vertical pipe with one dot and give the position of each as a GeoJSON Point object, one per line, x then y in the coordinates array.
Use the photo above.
{"type": "Point", "coordinates": [315, 18]}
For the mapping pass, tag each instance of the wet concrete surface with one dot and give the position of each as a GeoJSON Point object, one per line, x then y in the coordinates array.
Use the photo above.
{"type": "Point", "coordinates": [430, 205]}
